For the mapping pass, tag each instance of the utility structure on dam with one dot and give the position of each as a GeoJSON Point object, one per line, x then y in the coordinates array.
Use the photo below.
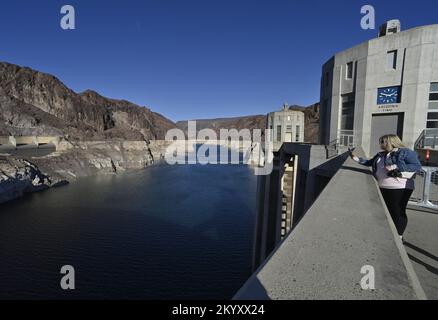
{"type": "Point", "coordinates": [286, 126]}
{"type": "Point", "coordinates": [14, 142]}
{"type": "Point", "coordinates": [320, 216]}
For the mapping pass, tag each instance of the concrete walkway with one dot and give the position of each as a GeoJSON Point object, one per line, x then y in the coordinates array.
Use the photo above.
{"type": "Point", "coordinates": [421, 243]}
{"type": "Point", "coordinates": [346, 229]}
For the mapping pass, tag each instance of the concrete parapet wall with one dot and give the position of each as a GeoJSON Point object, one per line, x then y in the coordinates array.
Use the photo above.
{"type": "Point", "coordinates": [347, 227]}
{"type": "Point", "coordinates": [27, 140]}
{"type": "Point", "coordinates": [7, 141]}
{"type": "Point", "coordinates": [48, 140]}
{"type": "Point", "coordinates": [33, 140]}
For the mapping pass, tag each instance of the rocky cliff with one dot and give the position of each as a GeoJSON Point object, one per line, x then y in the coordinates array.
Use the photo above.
{"type": "Point", "coordinates": [97, 134]}
{"type": "Point", "coordinates": [39, 103]}
{"type": "Point", "coordinates": [18, 177]}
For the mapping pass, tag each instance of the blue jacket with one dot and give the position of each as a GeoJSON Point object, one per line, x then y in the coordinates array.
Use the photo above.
{"type": "Point", "coordinates": [405, 159]}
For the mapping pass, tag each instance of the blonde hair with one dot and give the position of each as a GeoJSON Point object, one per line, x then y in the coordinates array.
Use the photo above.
{"type": "Point", "coordinates": [393, 140]}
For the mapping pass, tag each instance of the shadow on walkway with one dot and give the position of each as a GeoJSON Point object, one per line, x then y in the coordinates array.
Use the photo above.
{"type": "Point", "coordinates": [423, 252]}
{"type": "Point", "coordinates": [366, 171]}
{"type": "Point", "coordinates": [424, 264]}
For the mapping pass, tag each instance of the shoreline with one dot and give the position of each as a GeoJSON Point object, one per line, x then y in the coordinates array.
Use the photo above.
{"type": "Point", "coordinates": [20, 187]}
{"type": "Point", "coordinates": [20, 175]}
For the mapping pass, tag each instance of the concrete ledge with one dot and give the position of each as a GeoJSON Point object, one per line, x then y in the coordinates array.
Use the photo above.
{"type": "Point", "coordinates": [346, 228]}
{"type": "Point", "coordinates": [7, 142]}
{"type": "Point", "coordinates": [26, 142]}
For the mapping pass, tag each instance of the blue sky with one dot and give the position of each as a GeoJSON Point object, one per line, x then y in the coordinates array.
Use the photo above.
{"type": "Point", "coordinates": [192, 59]}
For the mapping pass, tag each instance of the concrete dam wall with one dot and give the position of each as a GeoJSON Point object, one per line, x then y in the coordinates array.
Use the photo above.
{"type": "Point", "coordinates": [14, 142]}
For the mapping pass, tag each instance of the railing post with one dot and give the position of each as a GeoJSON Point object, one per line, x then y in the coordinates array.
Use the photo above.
{"type": "Point", "coordinates": [426, 188]}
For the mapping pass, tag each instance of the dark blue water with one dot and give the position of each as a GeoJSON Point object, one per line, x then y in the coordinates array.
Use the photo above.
{"type": "Point", "coordinates": [167, 232]}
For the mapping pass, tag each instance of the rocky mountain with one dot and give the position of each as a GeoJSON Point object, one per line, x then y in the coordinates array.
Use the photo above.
{"type": "Point", "coordinates": [311, 123]}
{"type": "Point", "coordinates": [248, 122]}
{"type": "Point", "coordinates": [36, 103]}
{"type": "Point", "coordinates": [97, 134]}
{"type": "Point", "coordinates": [39, 103]}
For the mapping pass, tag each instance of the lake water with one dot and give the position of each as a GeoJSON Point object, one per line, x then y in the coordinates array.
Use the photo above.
{"type": "Point", "coordinates": [166, 232]}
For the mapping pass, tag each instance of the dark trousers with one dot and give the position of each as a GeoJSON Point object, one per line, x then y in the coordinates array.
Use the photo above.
{"type": "Point", "coordinates": [396, 201]}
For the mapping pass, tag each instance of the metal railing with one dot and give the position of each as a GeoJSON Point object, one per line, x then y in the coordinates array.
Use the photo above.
{"type": "Point", "coordinates": [332, 149]}
{"type": "Point", "coordinates": [425, 194]}
{"type": "Point", "coordinates": [427, 139]}
{"type": "Point", "coordinates": [346, 138]}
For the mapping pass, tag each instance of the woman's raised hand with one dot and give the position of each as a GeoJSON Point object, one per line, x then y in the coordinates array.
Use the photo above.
{"type": "Point", "coordinates": [355, 158]}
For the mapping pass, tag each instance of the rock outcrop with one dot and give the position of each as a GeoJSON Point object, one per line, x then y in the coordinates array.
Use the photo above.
{"type": "Point", "coordinates": [97, 157]}
{"type": "Point", "coordinates": [18, 177]}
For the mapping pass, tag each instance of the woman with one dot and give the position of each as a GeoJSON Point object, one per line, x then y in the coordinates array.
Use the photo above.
{"type": "Point", "coordinates": [394, 169]}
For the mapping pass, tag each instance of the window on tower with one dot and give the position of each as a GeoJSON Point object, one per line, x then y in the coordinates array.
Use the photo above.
{"type": "Point", "coordinates": [391, 60]}
{"type": "Point", "coordinates": [349, 74]}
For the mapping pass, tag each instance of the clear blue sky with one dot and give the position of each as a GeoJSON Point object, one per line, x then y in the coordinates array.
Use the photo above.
{"type": "Point", "coordinates": [195, 58]}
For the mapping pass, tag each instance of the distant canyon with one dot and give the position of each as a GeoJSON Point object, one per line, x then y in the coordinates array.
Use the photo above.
{"type": "Point", "coordinates": [98, 135]}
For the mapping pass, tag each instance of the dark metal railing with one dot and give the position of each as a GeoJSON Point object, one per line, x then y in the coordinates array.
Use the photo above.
{"type": "Point", "coordinates": [426, 193]}
{"type": "Point", "coordinates": [427, 139]}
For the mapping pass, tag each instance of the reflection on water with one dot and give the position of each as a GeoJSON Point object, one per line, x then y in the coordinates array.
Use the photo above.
{"type": "Point", "coordinates": [165, 232]}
